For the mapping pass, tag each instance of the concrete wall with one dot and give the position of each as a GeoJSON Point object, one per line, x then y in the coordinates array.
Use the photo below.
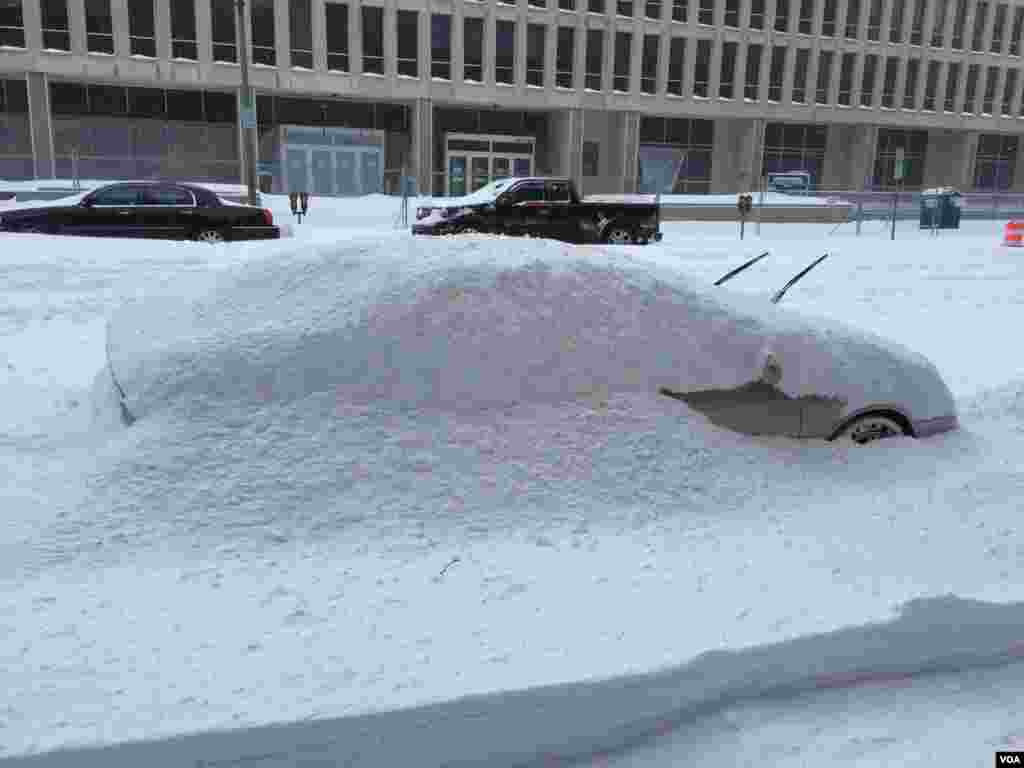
{"type": "Point", "coordinates": [736, 157]}
{"type": "Point", "coordinates": [950, 159]}
{"type": "Point", "coordinates": [606, 128]}
{"type": "Point", "coordinates": [849, 156]}
{"type": "Point", "coordinates": [797, 214]}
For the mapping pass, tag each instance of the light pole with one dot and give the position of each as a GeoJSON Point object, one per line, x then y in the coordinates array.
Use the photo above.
{"type": "Point", "coordinates": [247, 103]}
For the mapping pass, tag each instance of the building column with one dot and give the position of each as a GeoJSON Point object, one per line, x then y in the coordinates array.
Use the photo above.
{"type": "Point", "coordinates": [861, 152]}
{"type": "Point", "coordinates": [813, 63]}
{"type": "Point", "coordinates": [162, 30]}
{"type": "Point", "coordinates": [390, 39]}
{"type": "Point", "coordinates": [32, 18]}
{"type": "Point", "coordinates": [885, 28]}
{"type": "Point", "coordinates": [715, 67]}
{"type": "Point", "coordinates": [40, 125]}
{"type": "Point", "coordinates": [422, 125]}
{"type": "Point", "coordinates": [986, 34]}
{"type": "Point", "coordinates": [119, 20]}
{"type": "Point", "coordinates": [355, 39]}
{"type": "Point", "coordinates": [689, 64]}
{"type": "Point", "coordinates": [664, 52]}
{"type": "Point", "coordinates": [423, 63]}
{"type": "Point", "coordinates": [857, 86]}
{"type": "Point", "coordinates": [319, 25]}
{"type": "Point", "coordinates": [997, 97]}
{"type": "Point", "coordinates": [567, 141]}
{"type": "Point", "coordinates": [204, 35]}
{"type": "Point", "coordinates": [879, 88]}
{"type": "Point", "coordinates": [950, 159]}
{"type": "Point", "coordinates": [764, 73]}
{"type": "Point", "coordinates": [842, 9]}
{"type": "Point", "coordinates": [608, 60]}
{"type": "Point", "coordinates": [972, 13]}
{"type": "Point", "coordinates": [928, 24]}
{"type": "Point", "coordinates": [550, 52]}
{"type": "Point", "coordinates": [965, 169]}
{"type": "Point", "coordinates": [1017, 185]}
{"type": "Point", "coordinates": [736, 155]}
{"type": "Point", "coordinates": [489, 45]}
{"type": "Point", "coordinates": [1017, 96]}
{"type": "Point", "coordinates": [630, 122]}
{"type": "Point", "coordinates": [458, 29]}
{"type": "Point", "coordinates": [76, 26]}
{"type": "Point", "coordinates": [901, 82]}
{"type": "Point", "coordinates": [739, 79]}
{"type": "Point", "coordinates": [579, 52]}
{"type": "Point", "coordinates": [787, 77]}
{"type": "Point", "coordinates": [519, 51]}
{"type": "Point", "coordinates": [636, 57]}
{"type": "Point", "coordinates": [837, 71]}
{"type": "Point", "coordinates": [961, 83]}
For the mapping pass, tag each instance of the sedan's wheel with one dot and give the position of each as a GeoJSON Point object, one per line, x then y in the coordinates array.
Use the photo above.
{"type": "Point", "coordinates": [867, 429]}
{"type": "Point", "coordinates": [620, 236]}
{"type": "Point", "coordinates": [210, 236]}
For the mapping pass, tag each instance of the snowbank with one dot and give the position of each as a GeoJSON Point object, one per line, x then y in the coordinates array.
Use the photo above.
{"type": "Point", "coordinates": [484, 323]}
{"type": "Point", "coordinates": [595, 719]}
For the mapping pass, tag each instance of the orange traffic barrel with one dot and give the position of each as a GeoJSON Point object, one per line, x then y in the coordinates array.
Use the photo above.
{"type": "Point", "coordinates": [1014, 234]}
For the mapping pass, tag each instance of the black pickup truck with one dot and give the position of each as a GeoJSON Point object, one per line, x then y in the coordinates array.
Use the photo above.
{"type": "Point", "coordinates": [544, 207]}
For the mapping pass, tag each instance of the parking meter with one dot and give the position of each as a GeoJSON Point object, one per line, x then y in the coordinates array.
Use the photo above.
{"type": "Point", "coordinates": [744, 204]}
{"type": "Point", "coordinates": [299, 203]}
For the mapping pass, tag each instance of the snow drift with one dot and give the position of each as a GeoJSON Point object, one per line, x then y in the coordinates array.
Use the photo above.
{"type": "Point", "coordinates": [484, 323]}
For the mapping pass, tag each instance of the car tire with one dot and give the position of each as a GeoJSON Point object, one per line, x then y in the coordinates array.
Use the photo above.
{"type": "Point", "coordinates": [620, 234]}
{"type": "Point", "coordinates": [212, 236]}
{"type": "Point", "coordinates": [869, 428]}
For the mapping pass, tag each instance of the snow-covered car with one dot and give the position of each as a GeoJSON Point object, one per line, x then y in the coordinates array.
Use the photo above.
{"type": "Point", "coordinates": [469, 324]}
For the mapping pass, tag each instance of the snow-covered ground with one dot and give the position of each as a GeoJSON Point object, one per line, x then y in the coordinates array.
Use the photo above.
{"type": "Point", "coordinates": [656, 591]}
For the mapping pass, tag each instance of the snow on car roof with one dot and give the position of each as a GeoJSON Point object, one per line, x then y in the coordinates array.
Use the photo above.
{"type": "Point", "coordinates": [484, 322]}
{"type": "Point", "coordinates": [487, 194]}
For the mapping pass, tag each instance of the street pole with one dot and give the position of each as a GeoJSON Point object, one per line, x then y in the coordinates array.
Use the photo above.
{"type": "Point", "coordinates": [247, 103]}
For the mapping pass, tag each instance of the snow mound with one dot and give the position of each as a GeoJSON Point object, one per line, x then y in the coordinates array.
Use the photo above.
{"type": "Point", "coordinates": [483, 323]}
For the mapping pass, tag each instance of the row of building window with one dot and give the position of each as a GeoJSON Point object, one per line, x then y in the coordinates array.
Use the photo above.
{"type": "Point", "coordinates": [994, 27]}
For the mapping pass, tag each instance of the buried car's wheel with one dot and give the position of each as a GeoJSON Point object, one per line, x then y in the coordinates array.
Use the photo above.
{"type": "Point", "coordinates": [867, 429]}
{"type": "Point", "coordinates": [210, 236]}
{"type": "Point", "coordinates": [620, 235]}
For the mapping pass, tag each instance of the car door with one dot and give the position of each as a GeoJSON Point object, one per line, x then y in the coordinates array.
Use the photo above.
{"type": "Point", "coordinates": [166, 212]}
{"type": "Point", "coordinates": [559, 219]}
{"type": "Point", "coordinates": [522, 208]}
{"type": "Point", "coordinates": [111, 212]}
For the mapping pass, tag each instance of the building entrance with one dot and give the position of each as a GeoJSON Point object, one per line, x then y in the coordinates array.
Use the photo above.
{"type": "Point", "coordinates": [473, 161]}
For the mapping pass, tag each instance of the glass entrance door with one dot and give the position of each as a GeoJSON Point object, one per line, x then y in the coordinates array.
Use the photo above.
{"type": "Point", "coordinates": [473, 161]}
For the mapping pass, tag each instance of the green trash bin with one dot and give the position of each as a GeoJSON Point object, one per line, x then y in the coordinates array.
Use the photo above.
{"type": "Point", "coordinates": [940, 208]}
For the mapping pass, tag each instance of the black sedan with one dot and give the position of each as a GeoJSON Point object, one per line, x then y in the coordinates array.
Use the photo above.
{"type": "Point", "coordinates": [141, 209]}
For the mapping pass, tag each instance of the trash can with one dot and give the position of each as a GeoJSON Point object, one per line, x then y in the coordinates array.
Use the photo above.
{"type": "Point", "coordinates": [940, 208]}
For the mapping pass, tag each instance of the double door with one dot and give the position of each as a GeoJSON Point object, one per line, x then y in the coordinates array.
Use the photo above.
{"type": "Point", "coordinates": [334, 171]}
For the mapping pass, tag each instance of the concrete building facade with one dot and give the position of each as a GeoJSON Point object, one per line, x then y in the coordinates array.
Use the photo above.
{"type": "Point", "coordinates": [688, 96]}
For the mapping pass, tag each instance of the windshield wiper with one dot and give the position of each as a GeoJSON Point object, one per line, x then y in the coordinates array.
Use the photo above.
{"type": "Point", "coordinates": [795, 278]}
{"type": "Point", "coordinates": [740, 268]}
